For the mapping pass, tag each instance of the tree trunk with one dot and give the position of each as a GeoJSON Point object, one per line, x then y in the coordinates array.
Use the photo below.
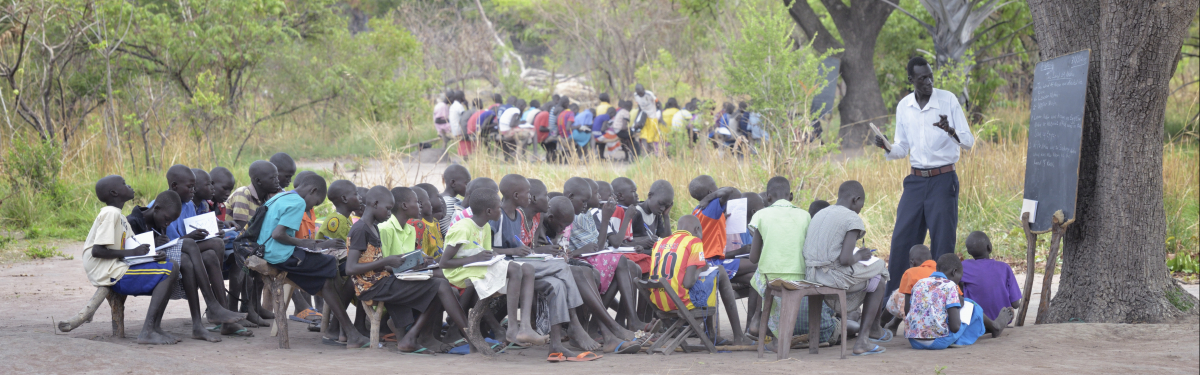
{"type": "Point", "coordinates": [1114, 262]}
{"type": "Point", "coordinates": [859, 25]}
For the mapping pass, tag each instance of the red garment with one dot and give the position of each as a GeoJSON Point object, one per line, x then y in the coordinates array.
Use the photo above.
{"type": "Point", "coordinates": [541, 122]}
{"type": "Point", "coordinates": [564, 121]}
{"type": "Point", "coordinates": [465, 147]}
{"type": "Point", "coordinates": [219, 209]}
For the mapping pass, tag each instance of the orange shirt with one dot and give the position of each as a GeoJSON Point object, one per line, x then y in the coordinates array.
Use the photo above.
{"type": "Point", "coordinates": [915, 274]}
{"type": "Point", "coordinates": [672, 256]}
{"type": "Point", "coordinates": [308, 226]}
{"type": "Point", "coordinates": [712, 227]}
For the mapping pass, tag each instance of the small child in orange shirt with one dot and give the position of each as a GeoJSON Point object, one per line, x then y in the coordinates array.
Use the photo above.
{"type": "Point", "coordinates": [921, 266]}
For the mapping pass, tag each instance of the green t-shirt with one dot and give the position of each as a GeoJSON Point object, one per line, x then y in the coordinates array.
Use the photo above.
{"type": "Point", "coordinates": [783, 227]}
{"type": "Point", "coordinates": [336, 227]}
{"type": "Point", "coordinates": [397, 239]}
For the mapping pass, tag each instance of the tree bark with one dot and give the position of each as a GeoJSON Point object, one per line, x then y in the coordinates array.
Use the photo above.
{"type": "Point", "coordinates": [859, 25]}
{"type": "Point", "coordinates": [1114, 262]}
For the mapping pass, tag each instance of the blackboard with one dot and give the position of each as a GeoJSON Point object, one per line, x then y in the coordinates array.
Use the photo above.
{"type": "Point", "coordinates": [829, 93]}
{"type": "Point", "coordinates": [1055, 133]}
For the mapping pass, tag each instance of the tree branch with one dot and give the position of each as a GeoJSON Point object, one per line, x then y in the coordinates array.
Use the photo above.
{"type": "Point", "coordinates": [806, 18]}
{"type": "Point", "coordinates": [274, 114]}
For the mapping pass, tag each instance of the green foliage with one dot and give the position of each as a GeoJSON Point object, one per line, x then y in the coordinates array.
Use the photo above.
{"type": "Point", "coordinates": [663, 76]}
{"type": "Point", "coordinates": [762, 65]}
{"type": "Point", "coordinates": [1183, 262]}
{"type": "Point", "coordinates": [32, 165]}
{"type": "Point", "coordinates": [43, 252]}
{"type": "Point", "coordinates": [1180, 299]}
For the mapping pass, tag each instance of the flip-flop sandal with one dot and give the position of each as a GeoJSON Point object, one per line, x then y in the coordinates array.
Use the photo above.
{"type": "Point", "coordinates": [460, 347]}
{"type": "Point", "coordinates": [633, 347]}
{"type": "Point", "coordinates": [878, 349]}
{"type": "Point", "coordinates": [314, 327]}
{"type": "Point", "coordinates": [309, 315]}
{"type": "Point", "coordinates": [556, 358]}
{"type": "Point", "coordinates": [216, 328]}
{"type": "Point", "coordinates": [585, 357]}
{"type": "Point", "coordinates": [240, 333]}
{"type": "Point", "coordinates": [299, 319]}
{"type": "Point", "coordinates": [423, 352]}
{"type": "Point", "coordinates": [391, 337]}
{"type": "Point", "coordinates": [332, 342]}
{"type": "Point", "coordinates": [887, 337]}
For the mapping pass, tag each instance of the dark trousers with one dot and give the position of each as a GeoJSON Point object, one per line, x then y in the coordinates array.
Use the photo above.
{"type": "Point", "coordinates": [928, 203]}
{"type": "Point", "coordinates": [552, 152]}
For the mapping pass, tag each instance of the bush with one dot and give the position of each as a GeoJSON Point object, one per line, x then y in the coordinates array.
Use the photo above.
{"type": "Point", "coordinates": [43, 252]}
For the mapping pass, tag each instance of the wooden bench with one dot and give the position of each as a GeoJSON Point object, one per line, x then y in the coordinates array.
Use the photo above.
{"type": "Point", "coordinates": [280, 289]}
{"type": "Point", "coordinates": [115, 301]}
{"type": "Point", "coordinates": [687, 322]}
{"type": "Point", "coordinates": [791, 294]}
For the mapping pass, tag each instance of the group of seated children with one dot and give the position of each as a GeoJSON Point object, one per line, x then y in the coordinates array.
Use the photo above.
{"type": "Point", "coordinates": [537, 257]}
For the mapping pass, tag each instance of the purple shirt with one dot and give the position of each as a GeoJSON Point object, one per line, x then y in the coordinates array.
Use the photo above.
{"type": "Point", "coordinates": [991, 284]}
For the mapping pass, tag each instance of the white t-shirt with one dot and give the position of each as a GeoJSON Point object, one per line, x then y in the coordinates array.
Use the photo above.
{"type": "Point", "coordinates": [646, 104]}
{"type": "Point", "coordinates": [110, 229]}
{"type": "Point", "coordinates": [456, 112]}
{"type": "Point", "coordinates": [508, 118]}
{"type": "Point", "coordinates": [681, 118]}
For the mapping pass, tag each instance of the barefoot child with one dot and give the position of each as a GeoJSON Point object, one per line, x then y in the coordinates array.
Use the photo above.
{"type": "Point", "coordinates": [371, 271]}
{"type": "Point", "coordinates": [103, 262]}
{"type": "Point", "coordinates": [470, 241]}
{"type": "Point", "coordinates": [936, 322]}
{"type": "Point", "coordinates": [990, 283]}
{"type": "Point", "coordinates": [244, 202]}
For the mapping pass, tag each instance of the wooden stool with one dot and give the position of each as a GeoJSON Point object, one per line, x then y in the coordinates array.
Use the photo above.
{"type": "Point", "coordinates": [791, 294]}
{"type": "Point", "coordinates": [115, 301]}
{"type": "Point", "coordinates": [475, 326]}
{"type": "Point", "coordinates": [280, 289]}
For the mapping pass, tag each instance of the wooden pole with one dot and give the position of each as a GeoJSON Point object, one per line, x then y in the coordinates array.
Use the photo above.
{"type": "Point", "coordinates": [1059, 228]}
{"type": "Point", "coordinates": [116, 303]}
{"type": "Point", "coordinates": [88, 311]}
{"type": "Point", "coordinates": [1030, 259]}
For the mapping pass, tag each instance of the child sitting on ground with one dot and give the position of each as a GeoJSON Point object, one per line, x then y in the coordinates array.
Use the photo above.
{"type": "Point", "coordinates": [470, 241]}
{"type": "Point", "coordinates": [371, 270]}
{"type": "Point", "coordinates": [103, 259]}
{"type": "Point", "coordinates": [921, 266]}
{"type": "Point", "coordinates": [935, 320]}
{"type": "Point", "coordinates": [989, 282]}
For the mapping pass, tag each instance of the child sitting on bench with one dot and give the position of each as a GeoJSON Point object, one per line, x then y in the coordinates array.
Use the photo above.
{"type": "Point", "coordinates": [103, 260]}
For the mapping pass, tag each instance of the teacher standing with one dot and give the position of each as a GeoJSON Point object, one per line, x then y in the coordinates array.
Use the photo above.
{"type": "Point", "coordinates": [931, 130]}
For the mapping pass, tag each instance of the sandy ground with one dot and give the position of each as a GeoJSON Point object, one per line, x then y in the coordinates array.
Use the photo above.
{"type": "Point", "coordinates": [35, 295]}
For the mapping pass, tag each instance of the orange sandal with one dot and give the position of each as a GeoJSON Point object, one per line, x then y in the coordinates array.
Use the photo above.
{"type": "Point", "coordinates": [391, 337]}
{"type": "Point", "coordinates": [556, 358]}
{"type": "Point", "coordinates": [585, 357]}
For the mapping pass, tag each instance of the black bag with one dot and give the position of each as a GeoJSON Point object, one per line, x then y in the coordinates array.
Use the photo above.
{"type": "Point", "coordinates": [246, 244]}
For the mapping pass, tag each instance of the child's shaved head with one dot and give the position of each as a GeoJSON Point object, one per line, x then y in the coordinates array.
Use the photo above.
{"type": "Point", "coordinates": [948, 264]}
{"type": "Point", "coordinates": [625, 191]}
{"type": "Point", "coordinates": [181, 180]}
{"type": "Point", "coordinates": [429, 188]}
{"type": "Point", "coordinates": [560, 213]}
{"type": "Point", "coordinates": [754, 203]}
{"type": "Point", "coordinates": [579, 192]}
{"type": "Point", "coordinates": [110, 187]}
{"type": "Point", "coordinates": [852, 196]}
{"type": "Point", "coordinates": [223, 184]}
{"type": "Point", "coordinates": [661, 197]}
{"type": "Point", "coordinates": [478, 183]}
{"type": "Point", "coordinates": [339, 189]}
{"type": "Point", "coordinates": [979, 245]}
{"type": "Point", "coordinates": [691, 224]}
{"type": "Point", "coordinates": [605, 190]}
{"type": "Point", "coordinates": [167, 207]}
{"type": "Point", "coordinates": [817, 206]}
{"type": "Point", "coordinates": [778, 187]}
{"type": "Point", "coordinates": [456, 177]}
{"type": "Point", "coordinates": [286, 167]}
{"type": "Point", "coordinates": [512, 183]}
{"type": "Point", "coordinates": [918, 254]}
{"type": "Point", "coordinates": [483, 199]}
{"type": "Point", "coordinates": [701, 187]}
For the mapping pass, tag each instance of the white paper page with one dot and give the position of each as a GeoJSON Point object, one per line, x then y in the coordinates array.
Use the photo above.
{"type": "Point", "coordinates": [139, 240]}
{"type": "Point", "coordinates": [869, 261]}
{"type": "Point", "coordinates": [206, 222]}
{"type": "Point", "coordinates": [735, 216]}
{"type": "Point", "coordinates": [605, 251]}
{"type": "Point", "coordinates": [166, 245]}
{"type": "Point", "coordinates": [964, 314]}
{"type": "Point", "coordinates": [880, 134]}
{"type": "Point", "coordinates": [486, 262]}
{"type": "Point", "coordinates": [1030, 206]}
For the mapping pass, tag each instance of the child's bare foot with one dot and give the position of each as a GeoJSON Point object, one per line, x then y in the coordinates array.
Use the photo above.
{"type": "Point", "coordinates": [579, 338]}
{"type": "Point", "coordinates": [1001, 321]}
{"type": "Point", "coordinates": [432, 344]}
{"type": "Point", "coordinates": [625, 334]}
{"type": "Point", "coordinates": [634, 324]}
{"type": "Point", "coordinates": [199, 333]}
{"type": "Point", "coordinates": [168, 335]}
{"type": "Point", "coordinates": [265, 314]}
{"type": "Point", "coordinates": [150, 337]}
{"type": "Point", "coordinates": [219, 315]}
{"type": "Point", "coordinates": [527, 337]}
{"type": "Point", "coordinates": [360, 341]}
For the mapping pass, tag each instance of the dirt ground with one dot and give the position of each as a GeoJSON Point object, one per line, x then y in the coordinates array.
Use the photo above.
{"type": "Point", "coordinates": [34, 295]}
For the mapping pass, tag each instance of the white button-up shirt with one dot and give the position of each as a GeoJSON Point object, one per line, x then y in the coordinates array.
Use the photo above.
{"type": "Point", "coordinates": [926, 145]}
{"type": "Point", "coordinates": [456, 113]}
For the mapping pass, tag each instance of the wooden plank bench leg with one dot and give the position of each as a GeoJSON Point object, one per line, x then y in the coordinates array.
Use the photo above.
{"type": "Point", "coordinates": [475, 327]}
{"type": "Point", "coordinates": [117, 303]}
{"type": "Point", "coordinates": [85, 315]}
